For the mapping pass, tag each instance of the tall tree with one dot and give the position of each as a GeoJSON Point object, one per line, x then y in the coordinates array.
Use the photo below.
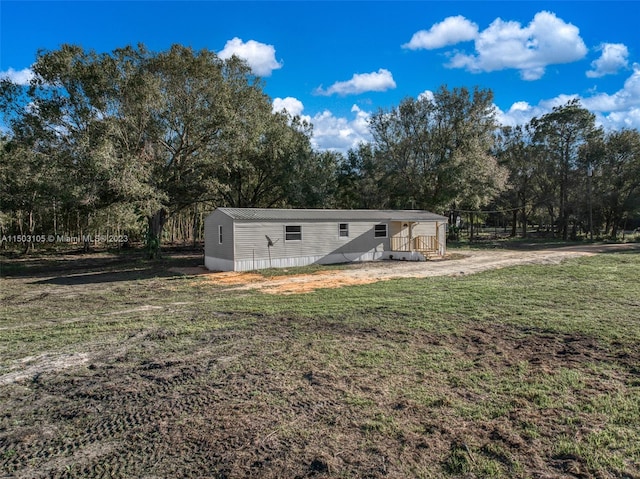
{"type": "Point", "coordinates": [561, 134]}
{"type": "Point", "coordinates": [516, 152]}
{"type": "Point", "coordinates": [437, 149]}
{"type": "Point", "coordinates": [55, 123]}
{"type": "Point", "coordinates": [29, 181]}
{"type": "Point", "coordinates": [162, 131]}
{"type": "Point", "coordinates": [265, 168]}
{"type": "Point", "coordinates": [179, 115]}
{"type": "Point", "coordinates": [618, 178]}
{"type": "Point", "coordinates": [361, 180]}
{"type": "Point", "coordinates": [314, 183]}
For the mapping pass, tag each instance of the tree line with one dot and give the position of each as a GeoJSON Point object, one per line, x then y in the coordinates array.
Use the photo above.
{"type": "Point", "coordinates": [146, 143]}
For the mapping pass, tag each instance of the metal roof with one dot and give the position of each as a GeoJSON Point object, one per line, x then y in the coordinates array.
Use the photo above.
{"type": "Point", "coordinates": [280, 214]}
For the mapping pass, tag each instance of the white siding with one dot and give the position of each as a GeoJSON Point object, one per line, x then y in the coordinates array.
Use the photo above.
{"type": "Point", "coordinates": [245, 244]}
{"type": "Point", "coordinates": [249, 264]}
{"type": "Point", "coordinates": [424, 229]}
{"type": "Point", "coordinates": [218, 264]}
{"type": "Point", "coordinates": [319, 239]}
{"type": "Point", "coordinates": [212, 247]}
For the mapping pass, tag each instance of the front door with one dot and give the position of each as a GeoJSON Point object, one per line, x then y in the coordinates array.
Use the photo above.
{"type": "Point", "coordinates": [401, 236]}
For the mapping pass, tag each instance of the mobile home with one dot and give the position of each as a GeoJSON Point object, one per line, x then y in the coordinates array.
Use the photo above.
{"type": "Point", "coordinates": [242, 239]}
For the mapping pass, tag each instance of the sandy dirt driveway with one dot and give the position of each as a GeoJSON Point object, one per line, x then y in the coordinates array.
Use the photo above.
{"type": "Point", "coordinates": [459, 262]}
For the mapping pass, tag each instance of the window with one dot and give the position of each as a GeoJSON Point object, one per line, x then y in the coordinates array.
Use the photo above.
{"type": "Point", "coordinates": [380, 231]}
{"type": "Point", "coordinates": [219, 234]}
{"type": "Point", "coordinates": [293, 233]}
{"type": "Point", "coordinates": [343, 230]}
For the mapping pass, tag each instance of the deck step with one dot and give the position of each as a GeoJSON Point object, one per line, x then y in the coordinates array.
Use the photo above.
{"type": "Point", "coordinates": [428, 253]}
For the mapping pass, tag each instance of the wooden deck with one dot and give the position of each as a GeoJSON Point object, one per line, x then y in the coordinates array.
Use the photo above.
{"type": "Point", "coordinates": [427, 245]}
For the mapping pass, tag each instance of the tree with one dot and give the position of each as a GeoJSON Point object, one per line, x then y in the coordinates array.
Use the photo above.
{"type": "Point", "coordinates": [179, 115]}
{"type": "Point", "coordinates": [160, 131]}
{"type": "Point", "coordinates": [361, 181]}
{"type": "Point", "coordinates": [618, 178]}
{"type": "Point", "coordinates": [315, 181]}
{"type": "Point", "coordinates": [29, 181]}
{"type": "Point", "coordinates": [204, 132]}
{"type": "Point", "coordinates": [516, 152]}
{"type": "Point", "coordinates": [57, 132]}
{"type": "Point", "coordinates": [560, 135]}
{"type": "Point", "coordinates": [266, 169]}
{"type": "Point", "coordinates": [436, 150]}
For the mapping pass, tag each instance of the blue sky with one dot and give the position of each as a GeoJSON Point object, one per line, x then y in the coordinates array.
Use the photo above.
{"type": "Point", "coordinates": [336, 63]}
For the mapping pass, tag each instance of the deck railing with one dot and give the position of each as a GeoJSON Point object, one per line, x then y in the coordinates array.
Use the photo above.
{"type": "Point", "coordinates": [400, 243]}
{"type": "Point", "coordinates": [417, 243]}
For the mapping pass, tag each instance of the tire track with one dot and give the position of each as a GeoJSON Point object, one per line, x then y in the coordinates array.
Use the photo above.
{"type": "Point", "coordinates": [138, 415]}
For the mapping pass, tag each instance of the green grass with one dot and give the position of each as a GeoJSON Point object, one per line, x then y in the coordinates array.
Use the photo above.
{"type": "Point", "coordinates": [596, 296]}
{"type": "Point", "coordinates": [496, 372]}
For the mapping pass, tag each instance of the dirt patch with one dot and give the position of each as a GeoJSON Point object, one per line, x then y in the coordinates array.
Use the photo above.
{"type": "Point", "coordinates": [288, 284]}
{"type": "Point", "coordinates": [469, 262]}
{"type": "Point", "coordinates": [31, 367]}
{"type": "Point", "coordinates": [265, 403]}
{"type": "Point", "coordinates": [190, 270]}
{"type": "Point", "coordinates": [233, 278]}
{"type": "Point", "coordinates": [308, 285]}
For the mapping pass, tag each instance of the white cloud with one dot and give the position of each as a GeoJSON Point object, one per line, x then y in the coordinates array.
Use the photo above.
{"type": "Point", "coordinates": [20, 77]}
{"type": "Point", "coordinates": [292, 105]}
{"type": "Point", "coordinates": [614, 57]}
{"type": "Point", "coordinates": [562, 99]}
{"type": "Point", "coordinates": [450, 31]}
{"type": "Point", "coordinates": [361, 122]}
{"type": "Point", "coordinates": [339, 133]}
{"type": "Point", "coordinates": [520, 113]}
{"type": "Point", "coordinates": [259, 56]}
{"type": "Point", "coordinates": [426, 95]}
{"type": "Point", "coordinates": [547, 40]}
{"type": "Point", "coordinates": [382, 80]}
{"type": "Point", "coordinates": [625, 99]}
{"type": "Point", "coordinates": [520, 106]}
{"type": "Point", "coordinates": [613, 111]}
{"type": "Point", "coordinates": [623, 119]}
{"type": "Point", "coordinates": [331, 132]}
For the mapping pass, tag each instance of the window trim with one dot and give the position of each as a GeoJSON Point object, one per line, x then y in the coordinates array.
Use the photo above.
{"type": "Point", "coordinates": [219, 234]}
{"type": "Point", "coordinates": [286, 233]}
{"type": "Point", "coordinates": [376, 233]}
{"type": "Point", "coordinates": [342, 230]}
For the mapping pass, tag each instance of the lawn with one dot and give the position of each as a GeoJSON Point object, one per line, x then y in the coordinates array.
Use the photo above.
{"type": "Point", "coordinates": [115, 367]}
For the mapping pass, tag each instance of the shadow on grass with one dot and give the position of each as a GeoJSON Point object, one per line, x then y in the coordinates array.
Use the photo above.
{"type": "Point", "coordinates": [108, 276]}
{"type": "Point", "coordinates": [533, 244]}
{"type": "Point", "coordinates": [94, 268]}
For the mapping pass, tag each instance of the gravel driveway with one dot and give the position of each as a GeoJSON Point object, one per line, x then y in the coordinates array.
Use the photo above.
{"type": "Point", "coordinates": [459, 262]}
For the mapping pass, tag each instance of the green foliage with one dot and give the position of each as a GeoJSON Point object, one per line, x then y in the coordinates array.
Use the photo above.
{"type": "Point", "coordinates": [172, 133]}
{"type": "Point", "coordinates": [560, 135]}
{"type": "Point", "coordinates": [434, 151]}
{"type": "Point", "coordinates": [568, 174]}
{"type": "Point", "coordinates": [158, 132]}
{"type": "Point", "coordinates": [616, 183]}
